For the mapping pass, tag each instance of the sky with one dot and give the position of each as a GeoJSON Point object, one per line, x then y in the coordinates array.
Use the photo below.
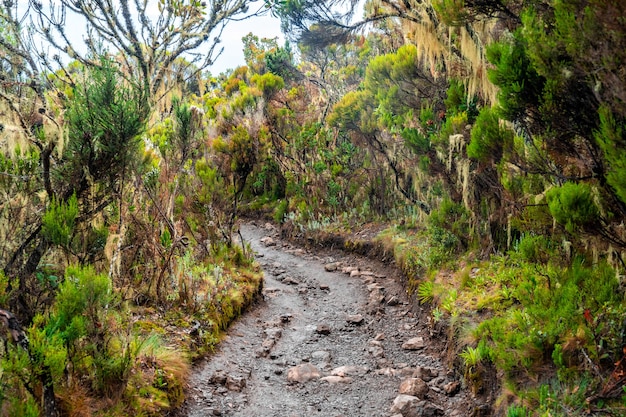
{"type": "Point", "coordinates": [232, 57]}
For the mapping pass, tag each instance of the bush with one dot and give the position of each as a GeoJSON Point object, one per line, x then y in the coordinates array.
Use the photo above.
{"type": "Point", "coordinates": [572, 206]}
{"type": "Point", "coordinates": [489, 139]}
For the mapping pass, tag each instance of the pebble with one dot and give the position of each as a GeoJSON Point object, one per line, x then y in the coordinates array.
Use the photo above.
{"type": "Point", "coordinates": [414, 343]}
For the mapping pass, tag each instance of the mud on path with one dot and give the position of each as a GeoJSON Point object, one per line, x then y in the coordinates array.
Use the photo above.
{"type": "Point", "coordinates": [333, 336]}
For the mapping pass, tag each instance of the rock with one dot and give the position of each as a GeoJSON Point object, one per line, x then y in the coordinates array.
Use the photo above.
{"type": "Point", "coordinates": [320, 356]}
{"type": "Point", "coordinates": [374, 287]}
{"type": "Point", "coordinates": [235, 383]}
{"type": "Point", "coordinates": [483, 410]}
{"type": "Point", "coordinates": [367, 273]}
{"type": "Point", "coordinates": [324, 287]}
{"type": "Point", "coordinates": [274, 333]}
{"type": "Point", "coordinates": [427, 409]}
{"type": "Point", "coordinates": [414, 387]}
{"type": "Point", "coordinates": [349, 370]}
{"type": "Point", "coordinates": [376, 351]}
{"type": "Point", "coordinates": [404, 404]}
{"type": "Point", "coordinates": [268, 344]}
{"type": "Point", "coordinates": [393, 301]}
{"type": "Point", "coordinates": [355, 273]}
{"type": "Point", "coordinates": [410, 406]}
{"type": "Point", "coordinates": [376, 297]}
{"type": "Point", "coordinates": [219, 377]}
{"type": "Point", "coordinates": [355, 319]}
{"type": "Point", "coordinates": [386, 371]}
{"type": "Point", "coordinates": [348, 269]}
{"type": "Point", "coordinates": [335, 379]}
{"type": "Point", "coordinates": [415, 343]}
{"type": "Point", "coordinates": [380, 336]}
{"type": "Point", "coordinates": [268, 241]}
{"type": "Point", "coordinates": [291, 281]}
{"type": "Point", "coordinates": [331, 267]}
{"type": "Point", "coordinates": [426, 374]}
{"type": "Point", "coordinates": [303, 373]}
{"type": "Point", "coordinates": [451, 388]}
{"type": "Point", "coordinates": [323, 329]}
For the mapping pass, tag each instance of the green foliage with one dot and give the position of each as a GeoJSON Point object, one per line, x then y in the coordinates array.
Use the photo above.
{"type": "Point", "coordinates": [426, 292]}
{"type": "Point", "coordinates": [517, 411]}
{"type": "Point", "coordinates": [610, 138]}
{"type": "Point", "coordinates": [80, 305]}
{"type": "Point", "coordinates": [489, 139]}
{"type": "Point", "coordinates": [59, 221]}
{"type": "Point", "coordinates": [415, 140]}
{"type": "Point", "coordinates": [268, 83]}
{"type": "Point", "coordinates": [520, 85]}
{"type": "Point", "coordinates": [281, 211]}
{"type": "Point", "coordinates": [449, 225]}
{"type": "Point", "coordinates": [535, 248]}
{"type": "Point", "coordinates": [104, 121]}
{"type": "Point", "coordinates": [573, 206]}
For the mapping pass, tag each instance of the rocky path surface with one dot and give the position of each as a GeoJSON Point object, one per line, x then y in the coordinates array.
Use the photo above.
{"type": "Point", "coordinates": [333, 336]}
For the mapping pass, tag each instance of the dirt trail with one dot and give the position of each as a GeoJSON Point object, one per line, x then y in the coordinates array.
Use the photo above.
{"type": "Point", "coordinates": [324, 342]}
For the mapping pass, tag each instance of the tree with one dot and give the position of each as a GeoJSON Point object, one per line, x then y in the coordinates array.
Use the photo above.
{"type": "Point", "coordinates": [103, 120]}
{"type": "Point", "coordinates": [147, 36]}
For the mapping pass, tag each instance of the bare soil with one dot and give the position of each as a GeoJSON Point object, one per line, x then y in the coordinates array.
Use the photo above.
{"type": "Point", "coordinates": [325, 342]}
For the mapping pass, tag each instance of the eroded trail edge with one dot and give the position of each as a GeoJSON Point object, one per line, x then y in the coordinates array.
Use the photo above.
{"type": "Point", "coordinates": [333, 336]}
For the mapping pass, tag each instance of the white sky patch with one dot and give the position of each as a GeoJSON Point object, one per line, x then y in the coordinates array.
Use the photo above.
{"type": "Point", "coordinates": [232, 57]}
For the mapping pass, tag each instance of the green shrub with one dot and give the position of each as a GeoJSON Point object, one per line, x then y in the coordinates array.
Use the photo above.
{"type": "Point", "coordinates": [517, 411]}
{"type": "Point", "coordinates": [489, 139]}
{"type": "Point", "coordinates": [59, 221]}
{"type": "Point", "coordinates": [281, 211]}
{"type": "Point", "coordinates": [610, 137]}
{"type": "Point", "coordinates": [572, 206]}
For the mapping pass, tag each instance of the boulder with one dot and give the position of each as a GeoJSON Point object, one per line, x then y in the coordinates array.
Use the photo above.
{"type": "Point", "coordinates": [323, 329]}
{"type": "Point", "coordinates": [268, 241]}
{"type": "Point", "coordinates": [349, 370]}
{"type": "Point", "coordinates": [414, 343]}
{"type": "Point", "coordinates": [331, 267]}
{"type": "Point", "coordinates": [403, 404]}
{"type": "Point", "coordinates": [355, 319]}
{"type": "Point", "coordinates": [303, 373]}
{"type": "Point", "coordinates": [451, 388]}
{"type": "Point", "coordinates": [335, 379]}
{"type": "Point", "coordinates": [414, 387]}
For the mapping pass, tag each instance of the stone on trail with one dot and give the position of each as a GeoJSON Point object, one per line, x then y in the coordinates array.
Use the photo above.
{"type": "Point", "coordinates": [451, 388]}
{"type": "Point", "coordinates": [414, 343]}
{"type": "Point", "coordinates": [320, 356]}
{"type": "Point", "coordinates": [349, 370]}
{"type": "Point", "coordinates": [323, 329]}
{"type": "Point", "coordinates": [348, 269]}
{"type": "Point", "coordinates": [393, 301]}
{"type": "Point", "coordinates": [355, 319]}
{"type": "Point", "coordinates": [335, 379]}
{"type": "Point", "coordinates": [235, 383]}
{"type": "Point", "coordinates": [303, 373]}
{"type": "Point", "coordinates": [410, 406]}
{"type": "Point", "coordinates": [268, 241]}
{"type": "Point", "coordinates": [403, 404]}
{"type": "Point", "coordinates": [415, 387]}
{"type": "Point", "coordinates": [291, 281]}
{"type": "Point", "coordinates": [425, 374]}
{"type": "Point", "coordinates": [273, 332]}
{"type": "Point", "coordinates": [331, 267]}
{"type": "Point", "coordinates": [355, 273]}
